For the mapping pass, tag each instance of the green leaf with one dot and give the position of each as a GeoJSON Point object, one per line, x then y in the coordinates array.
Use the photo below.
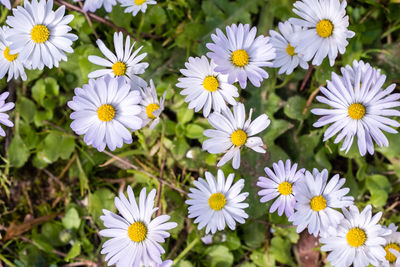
{"type": "Point", "coordinates": [219, 256]}
{"type": "Point", "coordinates": [280, 249]}
{"type": "Point", "coordinates": [194, 131]}
{"type": "Point", "coordinates": [18, 153]}
{"type": "Point", "coordinates": [184, 115]}
{"type": "Point", "coordinates": [255, 233]}
{"type": "Point", "coordinates": [27, 109]}
{"type": "Point", "coordinates": [74, 251]}
{"type": "Point", "coordinates": [101, 199]}
{"type": "Point", "coordinates": [39, 91]}
{"type": "Point", "coordinates": [294, 108]}
{"type": "Point", "coordinates": [71, 219]}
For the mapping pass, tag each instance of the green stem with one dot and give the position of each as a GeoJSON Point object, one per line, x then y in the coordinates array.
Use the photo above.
{"type": "Point", "coordinates": [186, 250]}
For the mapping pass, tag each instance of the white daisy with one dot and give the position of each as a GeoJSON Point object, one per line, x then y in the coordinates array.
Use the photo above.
{"type": "Point", "coordinates": [93, 5]}
{"type": "Point", "coordinates": [9, 63]}
{"type": "Point", "coordinates": [4, 118]}
{"type": "Point", "coordinates": [360, 107]}
{"type": "Point", "coordinates": [151, 106]}
{"type": "Point", "coordinates": [104, 110]}
{"type": "Point", "coordinates": [216, 203]}
{"type": "Point", "coordinates": [358, 239]}
{"type": "Point", "coordinates": [134, 6]}
{"type": "Point", "coordinates": [122, 63]}
{"type": "Point", "coordinates": [205, 88]}
{"type": "Point", "coordinates": [240, 55]}
{"type": "Point", "coordinates": [326, 29]}
{"type": "Point", "coordinates": [286, 58]}
{"type": "Point", "coordinates": [232, 132]}
{"type": "Point", "coordinates": [392, 243]}
{"type": "Point", "coordinates": [40, 35]}
{"type": "Point", "coordinates": [135, 237]}
{"type": "Point", "coordinates": [316, 201]}
{"type": "Point", "coordinates": [279, 185]}
{"type": "Point", "coordinates": [6, 3]}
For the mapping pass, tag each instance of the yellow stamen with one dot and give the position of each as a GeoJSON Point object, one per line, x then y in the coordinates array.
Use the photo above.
{"type": "Point", "coordinates": [8, 56]}
{"type": "Point", "coordinates": [217, 201]}
{"type": "Point", "coordinates": [240, 58]}
{"type": "Point", "coordinates": [40, 34]}
{"type": "Point", "coordinates": [290, 50]}
{"type": "Point", "coordinates": [211, 83]}
{"type": "Point", "coordinates": [318, 203]}
{"type": "Point", "coordinates": [356, 111]}
{"type": "Point", "coordinates": [285, 188]}
{"type": "Point", "coordinates": [324, 28]}
{"type": "Point", "coordinates": [389, 255]}
{"type": "Point", "coordinates": [356, 237]}
{"type": "Point", "coordinates": [239, 137]}
{"type": "Point", "coordinates": [139, 2]}
{"type": "Point", "coordinates": [119, 68]}
{"type": "Point", "coordinates": [150, 109]}
{"type": "Point", "coordinates": [137, 232]}
{"type": "Point", "coordinates": [106, 112]}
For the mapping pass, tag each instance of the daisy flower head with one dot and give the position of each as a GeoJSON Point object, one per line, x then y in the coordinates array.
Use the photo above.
{"type": "Point", "coordinates": [4, 118]}
{"type": "Point", "coordinates": [135, 237]}
{"type": "Point", "coordinates": [359, 108]}
{"type": "Point", "coordinates": [9, 63]}
{"type": "Point", "coordinates": [286, 58]}
{"type": "Point", "coordinates": [392, 243]}
{"type": "Point", "coordinates": [279, 185]}
{"type": "Point", "coordinates": [240, 55]}
{"type": "Point", "coordinates": [232, 132]}
{"type": "Point", "coordinates": [358, 239]}
{"type": "Point", "coordinates": [136, 5]}
{"type": "Point", "coordinates": [124, 62]}
{"type": "Point", "coordinates": [104, 110]}
{"type": "Point", "coordinates": [39, 35]}
{"type": "Point", "coordinates": [205, 88]}
{"type": "Point", "coordinates": [6, 3]}
{"type": "Point", "coordinates": [325, 32]}
{"type": "Point", "coordinates": [151, 106]}
{"type": "Point", "coordinates": [93, 5]}
{"type": "Point", "coordinates": [317, 201]}
{"type": "Point", "coordinates": [217, 203]}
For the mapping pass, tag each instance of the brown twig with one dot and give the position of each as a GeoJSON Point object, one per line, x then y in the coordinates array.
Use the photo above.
{"type": "Point", "coordinates": [61, 175]}
{"type": "Point", "coordinates": [307, 77]}
{"type": "Point", "coordinates": [309, 100]}
{"type": "Point", "coordinates": [88, 20]}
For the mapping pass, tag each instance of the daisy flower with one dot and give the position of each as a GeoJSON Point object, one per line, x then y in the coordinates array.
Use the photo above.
{"type": "Point", "coordinates": [316, 201]}
{"type": "Point", "coordinates": [216, 203]}
{"type": "Point", "coordinates": [359, 107]}
{"type": "Point", "coordinates": [136, 5]}
{"type": "Point", "coordinates": [9, 63]}
{"type": "Point", "coordinates": [396, 253]}
{"type": "Point", "coordinates": [286, 58]}
{"type": "Point", "coordinates": [358, 239]}
{"type": "Point", "coordinates": [135, 237]}
{"type": "Point", "coordinates": [39, 35]}
{"type": "Point", "coordinates": [279, 185]}
{"type": "Point", "coordinates": [326, 30]}
{"type": "Point", "coordinates": [4, 118]}
{"type": "Point", "coordinates": [151, 106]}
{"type": "Point", "coordinates": [204, 87]}
{"type": "Point", "coordinates": [232, 132]}
{"type": "Point", "coordinates": [6, 3]}
{"type": "Point", "coordinates": [104, 110]}
{"type": "Point", "coordinates": [93, 5]}
{"type": "Point", "coordinates": [392, 243]}
{"type": "Point", "coordinates": [241, 55]}
{"type": "Point", "coordinates": [122, 63]}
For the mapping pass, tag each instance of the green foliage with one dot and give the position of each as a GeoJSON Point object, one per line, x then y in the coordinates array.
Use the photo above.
{"type": "Point", "coordinates": [49, 172]}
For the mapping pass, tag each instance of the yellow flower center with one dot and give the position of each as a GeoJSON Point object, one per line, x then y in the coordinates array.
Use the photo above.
{"type": "Point", "coordinates": [324, 28]}
{"type": "Point", "coordinates": [318, 203]}
{"type": "Point", "coordinates": [217, 201]}
{"type": "Point", "coordinates": [389, 255]}
{"type": "Point", "coordinates": [137, 232]}
{"type": "Point", "coordinates": [356, 111]}
{"type": "Point", "coordinates": [238, 137]}
{"type": "Point", "coordinates": [211, 83]}
{"type": "Point", "coordinates": [290, 50]}
{"type": "Point", "coordinates": [356, 237]}
{"type": "Point", "coordinates": [285, 188]}
{"type": "Point", "coordinates": [106, 112]}
{"type": "Point", "coordinates": [119, 68]}
{"type": "Point", "coordinates": [8, 56]}
{"type": "Point", "coordinates": [139, 2]}
{"type": "Point", "coordinates": [240, 58]}
{"type": "Point", "coordinates": [40, 34]}
{"type": "Point", "coordinates": [150, 109]}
